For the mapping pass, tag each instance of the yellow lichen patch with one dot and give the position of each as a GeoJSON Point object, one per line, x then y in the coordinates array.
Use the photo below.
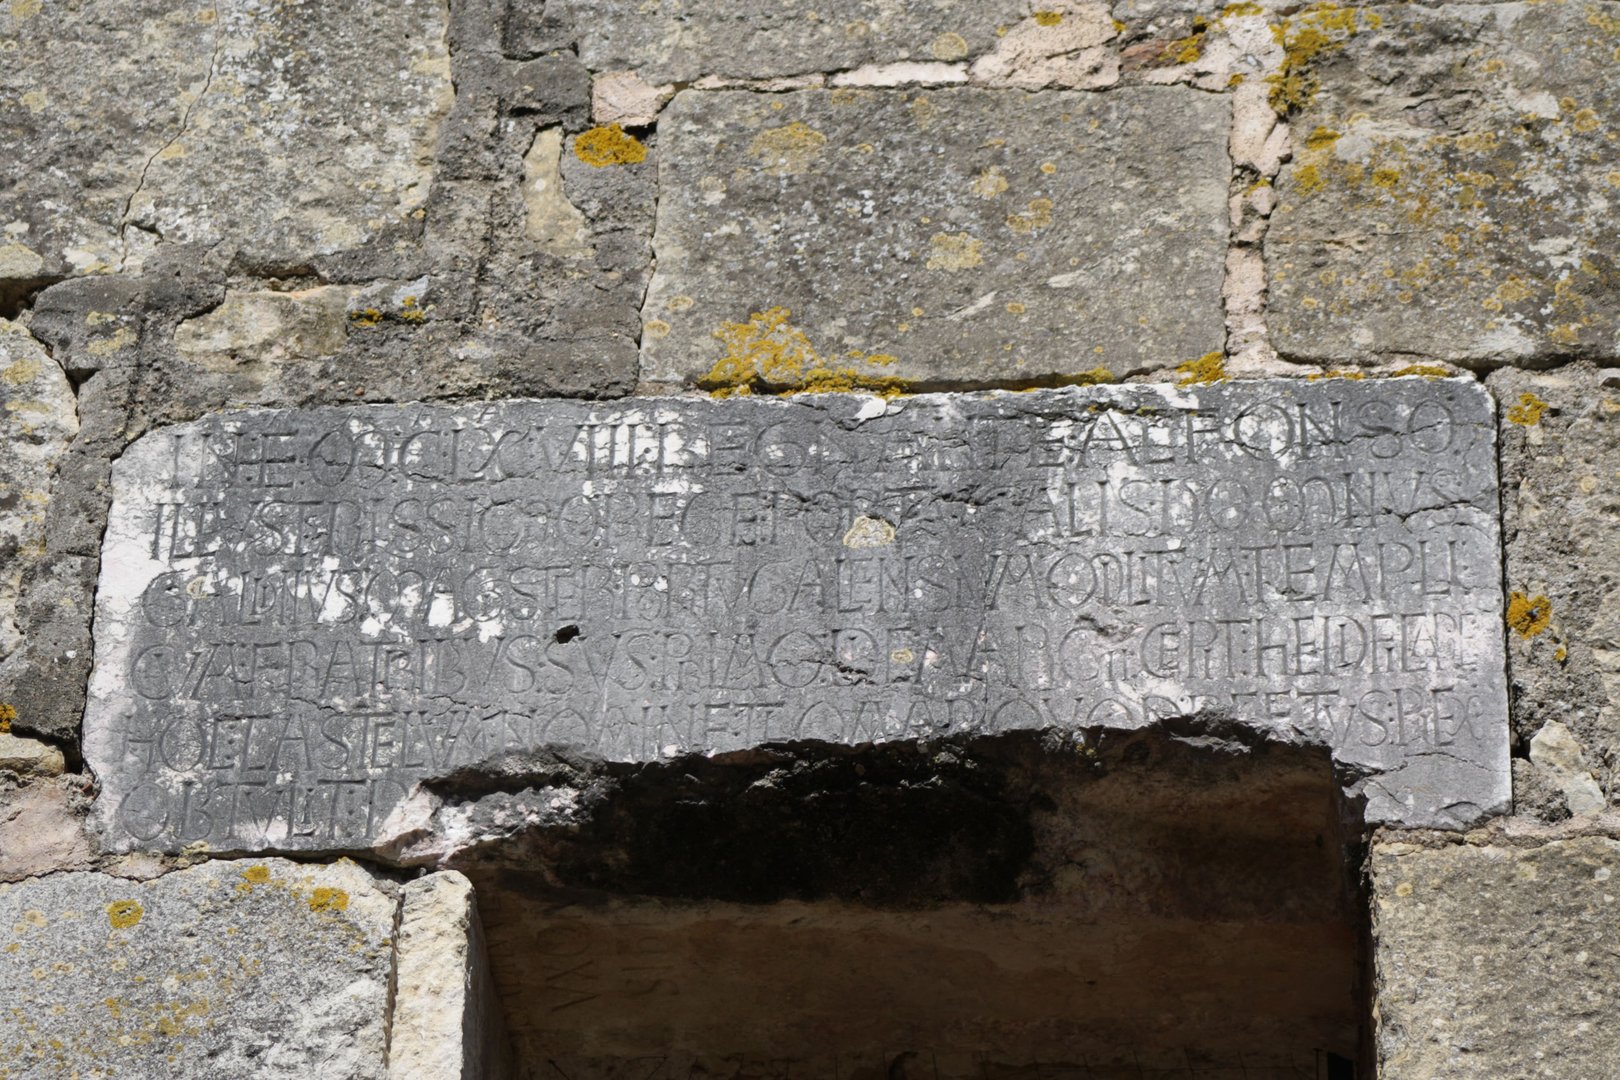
{"type": "Point", "coordinates": [25, 9]}
{"type": "Point", "coordinates": [365, 318]}
{"type": "Point", "coordinates": [1244, 7]}
{"type": "Point", "coordinates": [1321, 139]}
{"type": "Point", "coordinates": [328, 899]}
{"type": "Point", "coordinates": [8, 713]}
{"type": "Point", "coordinates": [1015, 308]}
{"type": "Point", "coordinates": [1528, 411]}
{"type": "Point", "coordinates": [1428, 371]}
{"type": "Point", "coordinates": [1092, 377]}
{"type": "Point", "coordinates": [1048, 18]}
{"type": "Point", "coordinates": [1320, 28]}
{"type": "Point", "coordinates": [1336, 374]}
{"type": "Point", "coordinates": [1528, 615]}
{"type": "Point", "coordinates": [989, 183]}
{"type": "Point", "coordinates": [1209, 368]}
{"type": "Point", "coordinates": [1038, 217]}
{"type": "Point", "coordinates": [123, 914]}
{"type": "Point", "coordinates": [787, 151]}
{"type": "Point", "coordinates": [954, 251]}
{"type": "Point", "coordinates": [1309, 179]}
{"type": "Point", "coordinates": [609, 144]}
{"type": "Point", "coordinates": [257, 874]}
{"type": "Point", "coordinates": [769, 354]}
{"type": "Point", "coordinates": [949, 46]}
{"type": "Point", "coordinates": [410, 312]}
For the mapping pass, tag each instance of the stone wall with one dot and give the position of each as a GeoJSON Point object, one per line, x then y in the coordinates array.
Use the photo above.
{"type": "Point", "coordinates": [208, 206]}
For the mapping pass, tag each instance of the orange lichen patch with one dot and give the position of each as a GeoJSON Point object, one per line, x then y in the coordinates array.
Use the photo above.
{"type": "Point", "coordinates": [1528, 615]}
{"type": "Point", "coordinates": [123, 914]}
{"type": "Point", "coordinates": [328, 899]}
{"type": "Point", "coordinates": [1528, 411]}
{"type": "Point", "coordinates": [8, 713]}
{"type": "Point", "coordinates": [1209, 368]}
{"type": "Point", "coordinates": [607, 145]}
{"type": "Point", "coordinates": [768, 354]}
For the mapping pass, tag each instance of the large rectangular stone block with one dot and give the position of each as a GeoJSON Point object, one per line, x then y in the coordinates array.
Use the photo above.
{"type": "Point", "coordinates": [303, 613]}
{"type": "Point", "coordinates": [940, 237]}
{"type": "Point", "coordinates": [271, 969]}
{"type": "Point", "coordinates": [1452, 188]}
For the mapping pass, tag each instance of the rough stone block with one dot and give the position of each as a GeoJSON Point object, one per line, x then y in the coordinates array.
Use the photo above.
{"type": "Point", "coordinates": [941, 237]}
{"type": "Point", "coordinates": [37, 421]}
{"type": "Point", "coordinates": [683, 40]}
{"type": "Point", "coordinates": [1561, 504]}
{"type": "Point", "coordinates": [447, 1022]}
{"type": "Point", "coordinates": [1494, 960]}
{"type": "Point", "coordinates": [269, 969]}
{"type": "Point", "coordinates": [43, 826]}
{"type": "Point", "coordinates": [284, 132]}
{"type": "Point", "coordinates": [1450, 194]}
{"type": "Point", "coordinates": [302, 614]}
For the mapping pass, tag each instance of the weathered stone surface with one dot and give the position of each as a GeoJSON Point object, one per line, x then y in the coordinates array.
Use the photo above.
{"type": "Point", "coordinates": [1452, 193]}
{"type": "Point", "coordinates": [263, 969]}
{"type": "Point", "coordinates": [446, 1020]}
{"type": "Point", "coordinates": [37, 421]}
{"type": "Point", "coordinates": [944, 237]}
{"type": "Point", "coordinates": [1561, 501]}
{"type": "Point", "coordinates": [43, 826]}
{"type": "Point", "coordinates": [1493, 961]}
{"type": "Point", "coordinates": [29, 757]}
{"type": "Point", "coordinates": [282, 132]}
{"type": "Point", "coordinates": [302, 614]}
{"type": "Point", "coordinates": [683, 40]}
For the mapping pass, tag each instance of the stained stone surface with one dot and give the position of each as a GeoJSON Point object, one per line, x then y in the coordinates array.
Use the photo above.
{"type": "Point", "coordinates": [37, 421]}
{"type": "Point", "coordinates": [283, 132]}
{"type": "Point", "coordinates": [941, 236]}
{"type": "Point", "coordinates": [303, 613]}
{"type": "Point", "coordinates": [264, 968]}
{"type": "Point", "coordinates": [1561, 498]}
{"type": "Point", "coordinates": [1493, 960]}
{"type": "Point", "coordinates": [1451, 194]}
{"type": "Point", "coordinates": [683, 40]}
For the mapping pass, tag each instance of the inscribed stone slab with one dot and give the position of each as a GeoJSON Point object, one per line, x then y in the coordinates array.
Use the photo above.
{"type": "Point", "coordinates": [941, 237]}
{"type": "Point", "coordinates": [302, 613]}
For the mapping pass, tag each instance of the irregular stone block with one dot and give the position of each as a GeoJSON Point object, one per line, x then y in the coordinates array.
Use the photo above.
{"type": "Point", "coordinates": [446, 1019]}
{"type": "Point", "coordinates": [266, 969]}
{"type": "Point", "coordinates": [38, 419]}
{"type": "Point", "coordinates": [43, 826]}
{"type": "Point", "coordinates": [1450, 192]}
{"type": "Point", "coordinates": [285, 132]}
{"type": "Point", "coordinates": [944, 237]}
{"type": "Point", "coordinates": [304, 613]}
{"type": "Point", "coordinates": [684, 40]}
{"type": "Point", "coordinates": [1560, 439]}
{"type": "Point", "coordinates": [1492, 960]}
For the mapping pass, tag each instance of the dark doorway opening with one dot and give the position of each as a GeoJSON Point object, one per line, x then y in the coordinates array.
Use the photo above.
{"type": "Point", "coordinates": [1149, 906]}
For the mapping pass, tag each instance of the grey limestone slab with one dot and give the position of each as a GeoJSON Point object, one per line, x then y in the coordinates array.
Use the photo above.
{"type": "Point", "coordinates": [304, 613]}
{"type": "Point", "coordinates": [262, 968]}
{"type": "Point", "coordinates": [940, 237]}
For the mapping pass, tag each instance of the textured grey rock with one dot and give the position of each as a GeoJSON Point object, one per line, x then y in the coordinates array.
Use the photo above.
{"type": "Point", "coordinates": [302, 614]}
{"type": "Point", "coordinates": [1451, 194]}
{"type": "Point", "coordinates": [941, 237]}
{"type": "Point", "coordinates": [446, 1020]}
{"type": "Point", "coordinates": [37, 421]}
{"type": "Point", "coordinates": [43, 825]}
{"type": "Point", "coordinates": [1561, 501]}
{"type": "Point", "coordinates": [1493, 960]}
{"type": "Point", "coordinates": [281, 132]}
{"type": "Point", "coordinates": [266, 969]}
{"type": "Point", "coordinates": [683, 40]}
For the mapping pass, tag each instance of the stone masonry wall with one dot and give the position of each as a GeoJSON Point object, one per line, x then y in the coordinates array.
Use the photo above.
{"type": "Point", "coordinates": [209, 205]}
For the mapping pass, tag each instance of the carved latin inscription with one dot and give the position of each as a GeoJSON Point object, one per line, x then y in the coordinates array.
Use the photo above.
{"type": "Point", "coordinates": [303, 613]}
